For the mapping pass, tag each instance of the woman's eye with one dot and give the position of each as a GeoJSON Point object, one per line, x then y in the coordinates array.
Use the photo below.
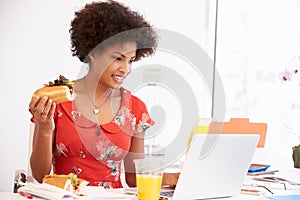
{"type": "Point", "coordinates": [133, 60]}
{"type": "Point", "coordinates": [116, 58]}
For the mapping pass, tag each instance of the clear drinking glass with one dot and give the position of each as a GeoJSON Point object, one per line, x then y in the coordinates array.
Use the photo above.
{"type": "Point", "coordinates": [149, 173]}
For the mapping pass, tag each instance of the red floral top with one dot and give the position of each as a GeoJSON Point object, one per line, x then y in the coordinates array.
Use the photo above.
{"type": "Point", "coordinates": [95, 152]}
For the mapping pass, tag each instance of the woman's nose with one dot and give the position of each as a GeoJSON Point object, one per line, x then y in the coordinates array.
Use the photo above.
{"type": "Point", "coordinates": [125, 67]}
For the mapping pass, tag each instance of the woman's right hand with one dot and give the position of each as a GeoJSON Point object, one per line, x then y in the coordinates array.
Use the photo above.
{"type": "Point", "coordinates": [42, 109]}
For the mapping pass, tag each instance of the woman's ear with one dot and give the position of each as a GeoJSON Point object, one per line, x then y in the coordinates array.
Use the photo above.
{"type": "Point", "coordinates": [91, 56]}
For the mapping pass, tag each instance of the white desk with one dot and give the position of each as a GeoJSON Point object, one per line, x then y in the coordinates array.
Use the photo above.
{"type": "Point", "coordinates": [291, 174]}
{"type": "Point", "coordinates": [277, 191]}
{"type": "Point", "coordinates": [11, 196]}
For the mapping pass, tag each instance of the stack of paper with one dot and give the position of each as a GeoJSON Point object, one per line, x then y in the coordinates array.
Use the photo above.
{"type": "Point", "coordinates": [47, 191]}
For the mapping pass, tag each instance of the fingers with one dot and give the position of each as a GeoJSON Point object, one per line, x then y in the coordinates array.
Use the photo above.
{"type": "Point", "coordinates": [48, 105]}
{"type": "Point", "coordinates": [52, 109]}
{"type": "Point", "coordinates": [170, 179]}
{"type": "Point", "coordinates": [33, 103]}
{"type": "Point", "coordinates": [42, 107]}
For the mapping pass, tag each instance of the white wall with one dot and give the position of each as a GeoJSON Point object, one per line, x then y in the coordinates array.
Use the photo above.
{"type": "Point", "coordinates": [257, 41]}
{"type": "Point", "coordinates": [35, 48]}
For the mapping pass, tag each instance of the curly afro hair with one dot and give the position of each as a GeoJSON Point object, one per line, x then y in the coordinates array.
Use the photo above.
{"type": "Point", "coordinates": [109, 23]}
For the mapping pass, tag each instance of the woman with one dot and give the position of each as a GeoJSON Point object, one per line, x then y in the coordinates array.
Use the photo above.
{"type": "Point", "coordinates": [104, 124]}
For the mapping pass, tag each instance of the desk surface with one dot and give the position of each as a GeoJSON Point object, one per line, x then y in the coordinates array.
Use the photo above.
{"type": "Point", "coordinates": [277, 191]}
{"type": "Point", "coordinates": [277, 188]}
{"type": "Point", "coordinates": [14, 196]}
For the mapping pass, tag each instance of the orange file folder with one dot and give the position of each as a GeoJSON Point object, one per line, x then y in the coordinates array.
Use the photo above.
{"type": "Point", "coordinates": [240, 125]}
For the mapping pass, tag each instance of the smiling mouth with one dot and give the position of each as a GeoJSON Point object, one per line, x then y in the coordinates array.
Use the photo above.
{"type": "Point", "coordinates": [118, 78]}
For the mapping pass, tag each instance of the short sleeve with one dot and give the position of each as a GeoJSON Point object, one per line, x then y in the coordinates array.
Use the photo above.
{"type": "Point", "coordinates": [32, 119]}
{"type": "Point", "coordinates": [140, 112]}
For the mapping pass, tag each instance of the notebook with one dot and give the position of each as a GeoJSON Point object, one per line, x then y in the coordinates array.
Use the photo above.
{"type": "Point", "coordinates": [216, 166]}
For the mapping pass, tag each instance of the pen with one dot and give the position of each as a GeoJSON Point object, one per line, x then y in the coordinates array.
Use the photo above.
{"type": "Point", "coordinates": [26, 195]}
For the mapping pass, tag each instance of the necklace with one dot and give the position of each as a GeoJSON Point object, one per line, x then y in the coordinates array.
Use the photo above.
{"type": "Point", "coordinates": [96, 108]}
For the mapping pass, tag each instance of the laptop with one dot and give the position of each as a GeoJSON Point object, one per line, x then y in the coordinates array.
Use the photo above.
{"type": "Point", "coordinates": [215, 166]}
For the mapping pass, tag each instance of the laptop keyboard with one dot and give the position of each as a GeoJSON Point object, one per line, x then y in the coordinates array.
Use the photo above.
{"type": "Point", "coordinates": [166, 193]}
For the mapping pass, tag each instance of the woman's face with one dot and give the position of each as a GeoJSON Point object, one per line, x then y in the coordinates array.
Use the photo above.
{"type": "Point", "coordinates": [112, 65]}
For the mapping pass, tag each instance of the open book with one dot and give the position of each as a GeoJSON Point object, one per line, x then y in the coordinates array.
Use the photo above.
{"type": "Point", "coordinates": [50, 192]}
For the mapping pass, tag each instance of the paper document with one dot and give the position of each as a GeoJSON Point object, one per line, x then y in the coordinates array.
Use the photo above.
{"type": "Point", "coordinates": [46, 191]}
{"type": "Point", "coordinates": [53, 193]}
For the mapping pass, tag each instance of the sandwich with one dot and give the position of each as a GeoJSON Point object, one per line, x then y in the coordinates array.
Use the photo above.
{"type": "Point", "coordinates": [59, 91]}
{"type": "Point", "coordinates": [70, 182]}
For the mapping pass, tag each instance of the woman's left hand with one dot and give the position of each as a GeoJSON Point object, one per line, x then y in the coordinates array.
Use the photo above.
{"type": "Point", "coordinates": [170, 179]}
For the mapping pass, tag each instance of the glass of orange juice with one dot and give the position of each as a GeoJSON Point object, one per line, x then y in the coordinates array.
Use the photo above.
{"type": "Point", "coordinates": [148, 178]}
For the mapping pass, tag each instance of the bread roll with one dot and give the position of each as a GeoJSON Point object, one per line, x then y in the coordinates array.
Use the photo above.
{"type": "Point", "coordinates": [68, 182]}
{"type": "Point", "coordinates": [59, 181]}
{"type": "Point", "coordinates": [58, 94]}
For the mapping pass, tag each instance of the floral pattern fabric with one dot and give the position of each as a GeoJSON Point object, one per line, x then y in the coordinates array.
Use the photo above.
{"type": "Point", "coordinates": [95, 152]}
